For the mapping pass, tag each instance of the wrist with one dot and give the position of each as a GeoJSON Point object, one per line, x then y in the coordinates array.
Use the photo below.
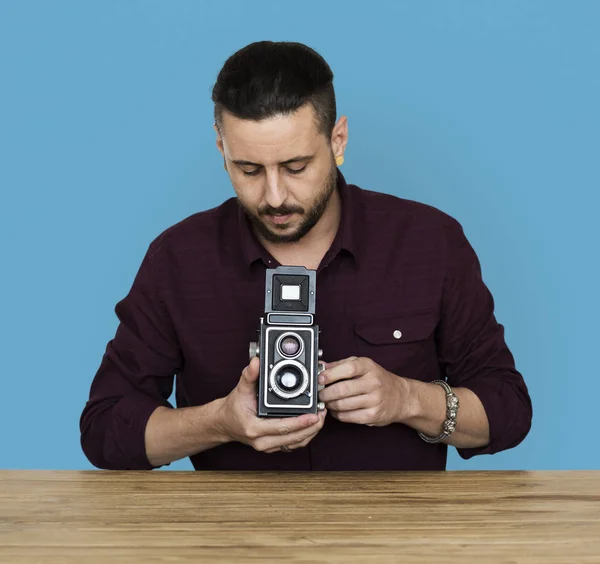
{"type": "Point", "coordinates": [218, 421]}
{"type": "Point", "coordinates": [410, 404]}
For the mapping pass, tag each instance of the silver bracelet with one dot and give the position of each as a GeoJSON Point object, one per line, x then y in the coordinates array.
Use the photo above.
{"type": "Point", "coordinates": [451, 412]}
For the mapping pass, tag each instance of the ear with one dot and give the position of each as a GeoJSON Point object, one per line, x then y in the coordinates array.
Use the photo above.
{"type": "Point", "coordinates": [219, 141]}
{"type": "Point", "coordinates": [339, 137]}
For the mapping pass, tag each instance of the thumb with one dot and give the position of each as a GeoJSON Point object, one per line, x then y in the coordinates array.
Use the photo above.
{"type": "Point", "coordinates": [250, 375]}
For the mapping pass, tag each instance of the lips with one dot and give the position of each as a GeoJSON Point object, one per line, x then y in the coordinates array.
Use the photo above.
{"type": "Point", "coordinates": [280, 219]}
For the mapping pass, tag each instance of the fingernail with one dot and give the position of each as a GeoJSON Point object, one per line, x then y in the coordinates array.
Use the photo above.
{"type": "Point", "coordinates": [321, 379]}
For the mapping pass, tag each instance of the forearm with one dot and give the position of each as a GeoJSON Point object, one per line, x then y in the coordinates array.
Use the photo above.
{"type": "Point", "coordinates": [172, 434]}
{"type": "Point", "coordinates": [427, 413]}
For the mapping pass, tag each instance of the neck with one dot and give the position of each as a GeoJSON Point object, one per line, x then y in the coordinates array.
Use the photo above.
{"type": "Point", "coordinates": [311, 249]}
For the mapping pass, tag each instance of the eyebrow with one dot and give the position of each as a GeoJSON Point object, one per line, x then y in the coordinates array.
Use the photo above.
{"type": "Point", "coordinates": [289, 161]}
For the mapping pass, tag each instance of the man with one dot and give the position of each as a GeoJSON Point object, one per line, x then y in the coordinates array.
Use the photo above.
{"type": "Point", "coordinates": [418, 359]}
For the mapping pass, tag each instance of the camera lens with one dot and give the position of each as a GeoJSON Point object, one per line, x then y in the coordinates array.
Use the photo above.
{"type": "Point", "coordinates": [290, 346]}
{"type": "Point", "coordinates": [289, 378]}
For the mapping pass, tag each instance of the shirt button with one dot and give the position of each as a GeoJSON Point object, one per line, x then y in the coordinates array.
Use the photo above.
{"type": "Point", "coordinates": [397, 334]}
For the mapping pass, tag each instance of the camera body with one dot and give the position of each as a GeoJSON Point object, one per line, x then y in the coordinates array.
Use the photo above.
{"type": "Point", "coordinates": [288, 345]}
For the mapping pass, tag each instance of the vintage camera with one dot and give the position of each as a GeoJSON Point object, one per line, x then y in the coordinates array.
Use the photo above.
{"type": "Point", "coordinates": [288, 345]}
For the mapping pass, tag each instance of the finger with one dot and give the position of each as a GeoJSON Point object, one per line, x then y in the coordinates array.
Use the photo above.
{"type": "Point", "coordinates": [338, 362]}
{"type": "Point", "coordinates": [285, 425]}
{"type": "Point", "coordinates": [296, 446]}
{"type": "Point", "coordinates": [359, 416]}
{"type": "Point", "coordinates": [291, 440]}
{"type": "Point", "coordinates": [250, 376]}
{"type": "Point", "coordinates": [345, 389]}
{"type": "Point", "coordinates": [351, 404]}
{"type": "Point", "coordinates": [305, 442]}
{"type": "Point", "coordinates": [345, 370]}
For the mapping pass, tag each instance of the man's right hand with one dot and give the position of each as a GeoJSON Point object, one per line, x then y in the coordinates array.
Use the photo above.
{"type": "Point", "coordinates": [239, 422]}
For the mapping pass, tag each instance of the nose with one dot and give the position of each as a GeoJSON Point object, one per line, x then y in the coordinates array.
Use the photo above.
{"type": "Point", "coordinates": [275, 191]}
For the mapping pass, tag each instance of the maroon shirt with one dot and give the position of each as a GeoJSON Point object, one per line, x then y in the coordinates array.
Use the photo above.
{"type": "Point", "coordinates": [394, 265]}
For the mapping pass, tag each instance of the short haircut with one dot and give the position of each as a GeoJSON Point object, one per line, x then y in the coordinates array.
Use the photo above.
{"type": "Point", "coordinates": [267, 78]}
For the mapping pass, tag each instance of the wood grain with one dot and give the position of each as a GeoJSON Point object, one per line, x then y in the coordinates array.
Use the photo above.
{"type": "Point", "coordinates": [449, 517]}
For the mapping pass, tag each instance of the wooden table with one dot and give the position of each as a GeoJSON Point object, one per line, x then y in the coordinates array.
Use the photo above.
{"type": "Point", "coordinates": [145, 517]}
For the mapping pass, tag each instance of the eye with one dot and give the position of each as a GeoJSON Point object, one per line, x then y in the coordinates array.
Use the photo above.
{"type": "Point", "coordinates": [252, 172]}
{"type": "Point", "coordinates": [296, 170]}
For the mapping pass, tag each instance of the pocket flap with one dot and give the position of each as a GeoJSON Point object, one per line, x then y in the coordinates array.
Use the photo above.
{"type": "Point", "coordinates": [397, 328]}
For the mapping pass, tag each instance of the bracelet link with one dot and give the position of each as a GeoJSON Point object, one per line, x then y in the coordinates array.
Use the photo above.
{"type": "Point", "coordinates": [449, 426]}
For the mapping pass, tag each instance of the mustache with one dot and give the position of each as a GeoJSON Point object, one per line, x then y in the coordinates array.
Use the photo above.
{"type": "Point", "coordinates": [281, 210]}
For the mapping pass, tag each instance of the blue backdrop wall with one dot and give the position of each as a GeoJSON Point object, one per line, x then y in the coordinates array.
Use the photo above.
{"type": "Point", "coordinates": [486, 110]}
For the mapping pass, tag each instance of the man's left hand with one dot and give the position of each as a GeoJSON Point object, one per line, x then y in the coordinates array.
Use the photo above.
{"type": "Point", "coordinates": [358, 390]}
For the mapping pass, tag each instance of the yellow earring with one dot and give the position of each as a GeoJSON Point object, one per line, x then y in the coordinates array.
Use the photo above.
{"type": "Point", "coordinates": [339, 161]}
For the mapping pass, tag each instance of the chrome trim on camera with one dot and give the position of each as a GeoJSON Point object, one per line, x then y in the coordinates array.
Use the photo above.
{"type": "Point", "coordinates": [272, 318]}
{"type": "Point", "coordinates": [311, 360]}
{"type": "Point", "coordinates": [253, 350]}
{"type": "Point", "coordinates": [290, 334]}
{"type": "Point", "coordinates": [280, 366]}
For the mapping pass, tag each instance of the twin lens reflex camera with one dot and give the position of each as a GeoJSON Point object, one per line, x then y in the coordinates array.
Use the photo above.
{"type": "Point", "coordinates": [288, 345]}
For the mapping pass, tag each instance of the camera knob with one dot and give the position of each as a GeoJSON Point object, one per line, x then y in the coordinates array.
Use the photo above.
{"type": "Point", "coordinates": [321, 369]}
{"type": "Point", "coordinates": [320, 406]}
{"type": "Point", "coordinates": [253, 350]}
{"type": "Point", "coordinates": [320, 353]}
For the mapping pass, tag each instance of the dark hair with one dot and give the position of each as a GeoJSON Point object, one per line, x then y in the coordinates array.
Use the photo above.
{"type": "Point", "coordinates": [267, 78]}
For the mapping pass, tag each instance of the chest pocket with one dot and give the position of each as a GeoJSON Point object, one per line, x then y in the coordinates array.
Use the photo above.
{"type": "Point", "coordinates": [395, 341]}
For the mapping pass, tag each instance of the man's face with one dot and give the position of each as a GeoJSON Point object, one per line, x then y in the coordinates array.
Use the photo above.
{"type": "Point", "coordinates": [282, 170]}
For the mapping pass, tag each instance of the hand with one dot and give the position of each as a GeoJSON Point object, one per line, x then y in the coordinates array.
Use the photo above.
{"type": "Point", "coordinates": [358, 390]}
{"type": "Point", "coordinates": [239, 421]}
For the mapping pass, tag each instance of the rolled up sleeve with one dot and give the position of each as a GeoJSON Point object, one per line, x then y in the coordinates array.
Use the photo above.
{"type": "Point", "coordinates": [473, 352]}
{"type": "Point", "coordinates": [134, 378]}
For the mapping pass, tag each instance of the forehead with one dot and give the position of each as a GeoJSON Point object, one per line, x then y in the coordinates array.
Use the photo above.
{"type": "Point", "coordinates": [271, 140]}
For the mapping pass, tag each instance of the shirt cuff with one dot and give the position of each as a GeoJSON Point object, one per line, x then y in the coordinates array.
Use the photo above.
{"type": "Point", "coordinates": [491, 400]}
{"type": "Point", "coordinates": [133, 412]}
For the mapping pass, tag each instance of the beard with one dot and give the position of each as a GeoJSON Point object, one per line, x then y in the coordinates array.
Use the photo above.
{"type": "Point", "coordinates": [308, 219]}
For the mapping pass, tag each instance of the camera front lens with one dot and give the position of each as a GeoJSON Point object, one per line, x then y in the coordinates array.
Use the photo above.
{"type": "Point", "coordinates": [290, 346]}
{"type": "Point", "coordinates": [289, 378]}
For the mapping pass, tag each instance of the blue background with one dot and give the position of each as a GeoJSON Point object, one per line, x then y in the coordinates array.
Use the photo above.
{"type": "Point", "coordinates": [486, 110]}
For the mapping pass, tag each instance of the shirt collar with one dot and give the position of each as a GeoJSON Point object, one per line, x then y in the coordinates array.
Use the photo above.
{"type": "Point", "coordinates": [350, 218]}
{"type": "Point", "coordinates": [346, 237]}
